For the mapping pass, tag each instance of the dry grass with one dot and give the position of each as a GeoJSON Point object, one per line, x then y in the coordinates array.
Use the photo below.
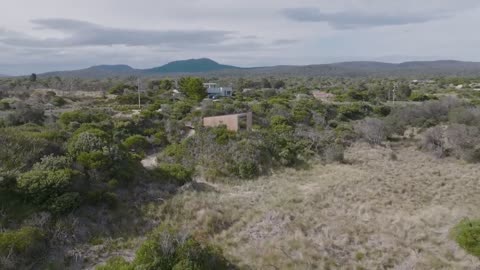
{"type": "Point", "coordinates": [378, 212]}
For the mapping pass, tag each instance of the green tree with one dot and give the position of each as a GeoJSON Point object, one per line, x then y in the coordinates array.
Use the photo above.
{"type": "Point", "coordinates": [193, 88]}
{"type": "Point", "coordinates": [266, 83]}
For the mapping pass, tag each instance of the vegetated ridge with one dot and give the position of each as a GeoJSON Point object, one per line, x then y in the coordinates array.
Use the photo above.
{"type": "Point", "coordinates": [208, 67]}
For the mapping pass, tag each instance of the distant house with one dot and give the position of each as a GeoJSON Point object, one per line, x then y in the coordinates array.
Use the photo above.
{"type": "Point", "coordinates": [323, 96]}
{"type": "Point", "coordinates": [214, 91]}
{"type": "Point", "coordinates": [233, 122]}
{"type": "Point", "coordinates": [423, 81]}
{"type": "Point", "coordinates": [475, 86]}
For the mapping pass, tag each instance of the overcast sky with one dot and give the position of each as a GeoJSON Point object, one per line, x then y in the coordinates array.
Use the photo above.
{"type": "Point", "coordinates": [39, 36]}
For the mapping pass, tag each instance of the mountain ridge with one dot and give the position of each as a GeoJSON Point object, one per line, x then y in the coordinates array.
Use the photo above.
{"type": "Point", "coordinates": [205, 66]}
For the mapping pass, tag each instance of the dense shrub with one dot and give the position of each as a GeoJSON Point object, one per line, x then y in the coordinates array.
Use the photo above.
{"type": "Point", "coordinates": [25, 114]}
{"type": "Point", "coordinates": [116, 263]}
{"type": "Point", "coordinates": [52, 162]}
{"type": "Point", "coordinates": [41, 185]}
{"type": "Point", "coordinates": [467, 235]}
{"type": "Point", "coordinates": [19, 248]}
{"type": "Point", "coordinates": [136, 143]}
{"type": "Point", "coordinates": [23, 241]}
{"type": "Point", "coordinates": [83, 116]}
{"type": "Point", "coordinates": [64, 203]}
{"type": "Point", "coordinates": [20, 150]}
{"type": "Point", "coordinates": [168, 249]}
{"type": "Point", "coordinates": [174, 172]}
{"type": "Point", "coordinates": [88, 141]}
{"type": "Point", "coordinates": [174, 152]}
{"type": "Point", "coordinates": [354, 111]}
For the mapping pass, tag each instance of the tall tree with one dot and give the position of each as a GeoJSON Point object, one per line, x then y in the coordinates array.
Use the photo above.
{"type": "Point", "coordinates": [193, 88]}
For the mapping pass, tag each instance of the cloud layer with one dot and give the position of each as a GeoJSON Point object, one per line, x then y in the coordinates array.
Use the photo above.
{"type": "Point", "coordinates": [38, 36]}
{"type": "Point", "coordinates": [80, 33]}
{"type": "Point", "coordinates": [349, 20]}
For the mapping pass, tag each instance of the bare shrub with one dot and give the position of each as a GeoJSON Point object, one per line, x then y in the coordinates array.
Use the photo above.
{"type": "Point", "coordinates": [334, 153]}
{"type": "Point", "coordinates": [465, 115]}
{"type": "Point", "coordinates": [434, 140]}
{"type": "Point", "coordinates": [372, 130]}
{"type": "Point", "coordinates": [464, 141]}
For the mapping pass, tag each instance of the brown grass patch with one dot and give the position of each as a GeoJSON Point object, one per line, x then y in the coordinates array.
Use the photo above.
{"type": "Point", "coordinates": [374, 213]}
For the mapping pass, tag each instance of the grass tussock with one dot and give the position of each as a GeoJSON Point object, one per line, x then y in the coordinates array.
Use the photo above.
{"type": "Point", "coordinates": [377, 212]}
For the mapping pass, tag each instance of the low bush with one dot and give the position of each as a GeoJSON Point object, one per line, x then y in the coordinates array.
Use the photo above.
{"type": "Point", "coordinates": [467, 235]}
{"type": "Point", "coordinates": [82, 117]}
{"type": "Point", "coordinates": [52, 162]}
{"type": "Point", "coordinates": [41, 185]}
{"type": "Point", "coordinates": [174, 172]}
{"type": "Point", "coordinates": [24, 241]}
{"type": "Point", "coordinates": [64, 203]}
{"type": "Point", "coordinates": [167, 249]}
{"type": "Point", "coordinates": [136, 143]}
{"type": "Point", "coordinates": [116, 263]}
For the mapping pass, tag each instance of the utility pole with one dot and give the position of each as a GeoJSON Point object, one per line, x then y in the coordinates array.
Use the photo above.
{"type": "Point", "coordinates": [394, 93]}
{"type": "Point", "coordinates": [138, 89]}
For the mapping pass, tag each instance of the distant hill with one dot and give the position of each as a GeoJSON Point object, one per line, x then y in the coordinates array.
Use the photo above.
{"type": "Point", "coordinates": [190, 66]}
{"type": "Point", "coordinates": [102, 71]}
{"type": "Point", "coordinates": [208, 67]}
{"type": "Point", "coordinates": [202, 65]}
{"type": "Point", "coordinates": [3, 76]}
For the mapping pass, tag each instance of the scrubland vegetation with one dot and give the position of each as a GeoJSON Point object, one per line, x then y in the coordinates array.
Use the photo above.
{"type": "Point", "coordinates": [353, 182]}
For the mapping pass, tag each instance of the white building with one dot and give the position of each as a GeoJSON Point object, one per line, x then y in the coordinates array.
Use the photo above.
{"type": "Point", "coordinates": [214, 91]}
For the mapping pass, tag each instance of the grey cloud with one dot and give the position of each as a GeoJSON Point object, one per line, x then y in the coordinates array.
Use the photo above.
{"type": "Point", "coordinates": [284, 41]}
{"type": "Point", "coordinates": [349, 20]}
{"type": "Point", "coordinates": [80, 33]}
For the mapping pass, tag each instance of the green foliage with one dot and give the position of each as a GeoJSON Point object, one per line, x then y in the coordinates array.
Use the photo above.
{"type": "Point", "coordinates": [132, 99]}
{"type": "Point", "coordinates": [175, 172]}
{"type": "Point", "coordinates": [246, 169]}
{"type": "Point", "coordinates": [116, 263]}
{"type": "Point", "coordinates": [161, 85]}
{"type": "Point", "coordinates": [222, 134]}
{"type": "Point", "coordinates": [58, 101]}
{"type": "Point", "coordinates": [167, 249]}
{"type": "Point", "coordinates": [136, 143]}
{"type": "Point", "coordinates": [193, 88]}
{"type": "Point", "coordinates": [64, 203]}
{"type": "Point", "coordinates": [40, 185]}
{"type": "Point", "coordinates": [354, 111]}
{"type": "Point", "coordinates": [120, 88]}
{"type": "Point", "coordinates": [4, 105]}
{"type": "Point", "coordinates": [102, 197]}
{"type": "Point", "coordinates": [180, 109]}
{"type": "Point", "coordinates": [382, 110]}
{"type": "Point", "coordinates": [20, 149]}
{"type": "Point", "coordinates": [94, 160]}
{"type": "Point", "coordinates": [52, 162]}
{"type": "Point", "coordinates": [176, 152]}
{"type": "Point", "coordinates": [160, 138]}
{"type": "Point", "coordinates": [467, 235]}
{"type": "Point", "coordinates": [24, 114]}
{"type": "Point", "coordinates": [419, 97]}
{"type": "Point", "coordinates": [82, 116]}
{"type": "Point", "coordinates": [24, 241]}
{"type": "Point", "coordinates": [88, 141]}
